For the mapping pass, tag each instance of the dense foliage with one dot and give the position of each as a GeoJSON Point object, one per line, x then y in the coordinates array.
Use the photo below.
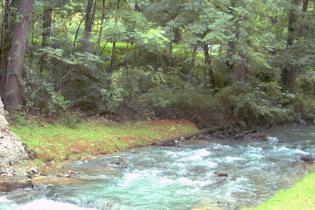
{"type": "Point", "coordinates": [231, 62]}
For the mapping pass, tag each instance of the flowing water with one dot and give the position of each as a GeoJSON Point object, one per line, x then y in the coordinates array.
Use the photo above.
{"type": "Point", "coordinates": [179, 177]}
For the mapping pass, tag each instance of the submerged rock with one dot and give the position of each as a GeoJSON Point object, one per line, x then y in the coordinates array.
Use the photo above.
{"type": "Point", "coordinates": [11, 148]}
{"type": "Point", "coordinates": [8, 184]}
{"type": "Point", "coordinates": [170, 143]}
{"type": "Point", "coordinates": [220, 174]}
{"type": "Point", "coordinates": [120, 162]}
{"type": "Point", "coordinates": [308, 158]}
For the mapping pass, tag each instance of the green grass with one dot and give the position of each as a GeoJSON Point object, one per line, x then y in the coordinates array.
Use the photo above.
{"type": "Point", "coordinates": [93, 137]}
{"type": "Point", "coordinates": [300, 197]}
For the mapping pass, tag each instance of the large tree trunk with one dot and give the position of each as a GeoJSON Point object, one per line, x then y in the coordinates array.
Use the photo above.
{"type": "Point", "coordinates": [13, 92]}
{"type": "Point", "coordinates": [6, 37]}
{"type": "Point", "coordinates": [47, 20]}
{"type": "Point", "coordinates": [89, 16]}
{"type": "Point", "coordinates": [289, 71]}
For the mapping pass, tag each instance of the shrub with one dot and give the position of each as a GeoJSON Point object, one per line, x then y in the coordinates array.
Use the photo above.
{"type": "Point", "coordinates": [40, 95]}
{"type": "Point", "coordinates": [250, 106]}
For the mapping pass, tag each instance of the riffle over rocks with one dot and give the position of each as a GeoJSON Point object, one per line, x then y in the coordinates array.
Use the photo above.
{"type": "Point", "coordinates": [11, 149]}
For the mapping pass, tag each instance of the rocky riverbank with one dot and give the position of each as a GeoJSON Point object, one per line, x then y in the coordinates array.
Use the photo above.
{"type": "Point", "coordinates": [11, 149]}
{"type": "Point", "coordinates": [12, 152]}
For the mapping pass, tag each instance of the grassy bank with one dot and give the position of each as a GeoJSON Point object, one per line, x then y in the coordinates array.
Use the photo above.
{"type": "Point", "coordinates": [301, 196]}
{"type": "Point", "coordinates": [90, 138]}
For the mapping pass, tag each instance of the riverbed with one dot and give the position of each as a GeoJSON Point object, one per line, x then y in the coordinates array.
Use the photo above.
{"type": "Point", "coordinates": [179, 178]}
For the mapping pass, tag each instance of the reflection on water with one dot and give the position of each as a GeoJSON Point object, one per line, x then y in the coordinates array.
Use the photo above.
{"type": "Point", "coordinates": [179, 177]}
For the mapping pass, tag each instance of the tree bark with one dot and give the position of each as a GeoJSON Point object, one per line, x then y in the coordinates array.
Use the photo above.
{"type": "Point", "coordinates": [240, 70]}
{"type": "Point", "coordinates": [303, 28]}
{"type": "Point", "coordinates": [13, 92]}
{"type": "Point", "coordinates": [77, 32]}
{"type": "Point", "coordinates": [88, 24]}
{"type": "Point", "coordinates": [113, 57]}
{"type": "Point", "coordinates": [289, 71]}
{"type": "Point", "coordinates": [101, 27]}
{"type": "Point", "coordinates": [47, 22]}
{"type": "Point", "coordinates": [192, 65]}
{"type": "Point", "coordinates": [6, 37]}
{"type": "Point", "coordinates": [170, 55]}
{"type": "Point", "coordinates": [208, 69]}
{"type": "Point", "coordinates": [137, 7]}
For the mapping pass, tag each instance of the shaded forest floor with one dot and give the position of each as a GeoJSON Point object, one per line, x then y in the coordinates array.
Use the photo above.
{"type": "Point", "coordinates": [55, 142]}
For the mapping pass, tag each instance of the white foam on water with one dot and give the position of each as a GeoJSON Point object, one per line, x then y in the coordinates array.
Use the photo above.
{"type": "Point", "coordinates": [301, 152]}
{"type": "Point", "coordinates": [272, 139]}
{"type": "Point", "coordinates": [222, 146]}
{"type": "Point", "coordinates": [231, 159]}
{"type": "Point", "coordinates": [186, 181]}
{"type": "Point", "coordinates": [210, 164]}
{"type": "Point", "coordinates": [197, 155]}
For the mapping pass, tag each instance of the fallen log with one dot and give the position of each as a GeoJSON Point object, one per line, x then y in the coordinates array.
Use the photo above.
{"type": "Point", "coordinates": [175, 140]}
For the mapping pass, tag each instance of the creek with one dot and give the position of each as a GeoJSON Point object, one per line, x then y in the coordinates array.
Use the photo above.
{"type": "Point", "coordinates": [179, 178]}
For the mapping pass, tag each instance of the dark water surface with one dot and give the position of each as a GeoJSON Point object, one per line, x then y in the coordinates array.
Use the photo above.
{"type": "Point", "coordinates": [179, 178]}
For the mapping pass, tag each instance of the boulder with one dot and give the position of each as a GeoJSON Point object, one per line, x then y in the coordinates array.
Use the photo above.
{"type": "Point", "coordinates": [11, 149]}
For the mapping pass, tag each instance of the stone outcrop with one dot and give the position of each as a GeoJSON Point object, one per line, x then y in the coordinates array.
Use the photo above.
{"type": "Point", "coordinates": [11, 148]}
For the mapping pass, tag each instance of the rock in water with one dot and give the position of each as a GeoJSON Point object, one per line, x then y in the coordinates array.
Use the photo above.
{"type": "Point", "coordinates": [8, 184]}
{"type": "Point", "coordinates": [308, 158]}
{"type": "Point", "coordinates": [11, 148]}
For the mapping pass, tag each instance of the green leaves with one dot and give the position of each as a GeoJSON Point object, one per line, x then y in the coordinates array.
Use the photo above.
{"type": "Point", "coordinates": [115, 30]}
{"type": "Point", "coordinates": [153, 40]}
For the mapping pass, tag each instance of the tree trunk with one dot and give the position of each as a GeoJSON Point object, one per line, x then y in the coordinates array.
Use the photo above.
{"type": "Point", "coordinates": [177, 35]}
{"type": "Point", "coordinates": [47, 20]}
{"type": "Point", "coordinates": [137, 7]}
{"type": "Point", "coordinates": [13, 92]}
{"type": "Point", "coordinates": [192, 65]}
{"type": "Point", "coordinates": [289, 71]}
{"type": "Point", "coordinates": [88, 24]}
{"type": "Point", "coordinates": [113, 57]}
{"type": "Point", "coordinates": [303, 28]}
{"type": "Point", "coordinates": [232, 43]}
{"type": "Point", "coordinates": [77, 32]}
{"type": "Point", "coordinates": [101, 27]}
{"type": "Point", "coordinates": [170, 55]}
{"type": "Point", "coordinates": [208, 69]}
{"type": "Point", "coordinates": [240, 70]}
{"type": "Point", "coordinates": [6, 37]}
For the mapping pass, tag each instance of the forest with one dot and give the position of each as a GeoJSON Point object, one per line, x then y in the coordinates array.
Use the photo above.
{"type": "Point", "coordinates": [81, 79]}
